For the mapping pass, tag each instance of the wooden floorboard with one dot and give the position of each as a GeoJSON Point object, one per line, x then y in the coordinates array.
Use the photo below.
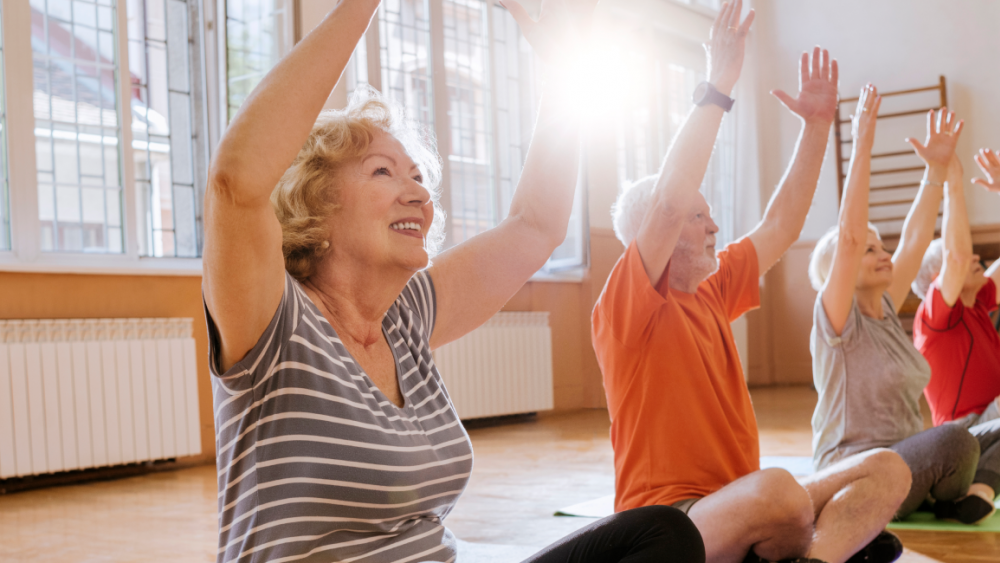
{"type": "Point", "coordinates": [523, 472]}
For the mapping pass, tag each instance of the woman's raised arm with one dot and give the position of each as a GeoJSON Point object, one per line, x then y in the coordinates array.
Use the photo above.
{"type": "Point", "coordinates": [918, 229]}
{"type": "Point", "coordinates": [243, 263]}
{"type": "Point", "coordinates": [838, 292]}
{"type": "Point", "coordinates": [989, 163]}
{"type": "Point", "coordinates": [957, 238]}
{"type": "Point", "coordinates": [474, 279]}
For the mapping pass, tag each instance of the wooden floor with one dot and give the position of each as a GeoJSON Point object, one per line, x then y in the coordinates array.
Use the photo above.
{"type": "Point", "coordinates": [523, 473]}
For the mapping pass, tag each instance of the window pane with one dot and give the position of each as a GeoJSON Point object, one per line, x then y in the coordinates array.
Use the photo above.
{"type": "Point", "coordinates": [76, 125]}
{"type": "Point", "coordinates": [405, 45]}
{"type": "Point", "coordinates": [466, 59]}
{"type": "Point", "coordinates": [4, 199]}
{"type": "Point", "coordinates": [515, 101]}
{"type": "Point", "coordinates": [256, 35]}
{"type": "Point", "coordinates": [162, 136]}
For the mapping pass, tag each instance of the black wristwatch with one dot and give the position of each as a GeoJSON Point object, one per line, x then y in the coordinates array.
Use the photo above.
{"type": "Point", "coordinates": [705, 94]}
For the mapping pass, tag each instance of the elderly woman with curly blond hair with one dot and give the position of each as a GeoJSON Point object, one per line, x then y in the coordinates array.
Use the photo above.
{"type": "Point", "coordinates": [336, 437]}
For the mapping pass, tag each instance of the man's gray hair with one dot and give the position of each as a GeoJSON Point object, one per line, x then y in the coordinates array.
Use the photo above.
{"type": "Point", "coordinates": [930, 267]}
{"type": "Point", "coordinates": [630, 208]}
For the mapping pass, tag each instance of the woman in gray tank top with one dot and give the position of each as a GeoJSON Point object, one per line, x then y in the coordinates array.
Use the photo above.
{"type": "Point", "coordinates": [866, 369]}
{"type": "Point", "coordinates": [336, 439]}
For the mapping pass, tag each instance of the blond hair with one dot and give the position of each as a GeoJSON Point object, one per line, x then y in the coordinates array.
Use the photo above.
{"type": "Point", "coordinates": [306, 194]}
{"type": "Point", "coordinates": [821, 259]}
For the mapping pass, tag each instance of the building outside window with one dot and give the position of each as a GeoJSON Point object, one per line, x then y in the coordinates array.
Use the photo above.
{"type": "Point", "coordinates": [119, 138]}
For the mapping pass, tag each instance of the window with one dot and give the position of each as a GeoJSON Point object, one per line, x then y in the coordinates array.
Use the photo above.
{"type": "Point", "coordinates": [162, 136]}
{"type": "Point", "coordinates": [258, 34]}
{"type": "Point", "coordinates": [77, 126]}
{"type": "Point", "coordinates": [4, 181]}
{"type": "Point", "coordinates": [119, 135]}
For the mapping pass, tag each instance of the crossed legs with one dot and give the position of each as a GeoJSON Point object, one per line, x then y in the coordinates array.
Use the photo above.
{"type": "Point", "coordinates": [828, 516]}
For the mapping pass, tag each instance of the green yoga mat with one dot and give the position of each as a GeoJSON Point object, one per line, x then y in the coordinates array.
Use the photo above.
{"type": "Point", "coordinates": [925, 521]}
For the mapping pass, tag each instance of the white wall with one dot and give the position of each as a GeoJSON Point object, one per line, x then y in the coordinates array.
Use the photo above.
{"type": "Point", "coordinates": [895, 44]}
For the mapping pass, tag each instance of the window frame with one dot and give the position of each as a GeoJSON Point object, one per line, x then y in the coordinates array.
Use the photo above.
{"type": "Point", "coordinates": [25, 254]}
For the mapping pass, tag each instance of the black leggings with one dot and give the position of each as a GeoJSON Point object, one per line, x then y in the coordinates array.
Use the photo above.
{"type": "Point", "coordinates": [651, 534]}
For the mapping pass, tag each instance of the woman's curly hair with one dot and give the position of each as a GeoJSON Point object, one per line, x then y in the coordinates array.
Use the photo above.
{"type": "Point", "coordinates": [307, 193]}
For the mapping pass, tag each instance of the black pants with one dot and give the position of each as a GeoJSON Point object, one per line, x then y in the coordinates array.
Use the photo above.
{"type": "Point", "coordinates": [652, 534]}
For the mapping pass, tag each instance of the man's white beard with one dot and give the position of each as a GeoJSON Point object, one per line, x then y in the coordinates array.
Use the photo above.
{"type": "Point", "coordinates": [693, 260]}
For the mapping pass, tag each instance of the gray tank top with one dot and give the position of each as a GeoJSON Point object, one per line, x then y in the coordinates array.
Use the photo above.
{"type": "Point", "coordinates": [315, 463]}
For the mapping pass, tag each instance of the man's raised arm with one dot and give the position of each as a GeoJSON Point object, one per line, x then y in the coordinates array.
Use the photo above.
{"type": "Point", "coordinates": [687, 160]}
{"type": "Point", "coordinates": [815, 106]}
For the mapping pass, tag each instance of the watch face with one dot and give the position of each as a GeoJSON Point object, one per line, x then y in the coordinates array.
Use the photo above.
{"type": "Point", "coordinates": [700, 92]}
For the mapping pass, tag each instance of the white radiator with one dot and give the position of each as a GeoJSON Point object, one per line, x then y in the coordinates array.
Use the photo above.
{"type": "Point", "coordinates": [503, 367]}
{"type": "Point", "coordinates": [95, 392]}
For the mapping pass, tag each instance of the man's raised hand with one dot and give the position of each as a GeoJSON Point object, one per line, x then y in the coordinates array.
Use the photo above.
{"type": "Point", "coordinates": [989, 163]}
{"type": "Point", "coordinates": [817, 99]}
{"type": "Point", "coordinates": [726, 46]}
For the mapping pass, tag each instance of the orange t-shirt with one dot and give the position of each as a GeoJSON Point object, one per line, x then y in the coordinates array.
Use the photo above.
{"type": "Point", "coordinates": [682, 425]}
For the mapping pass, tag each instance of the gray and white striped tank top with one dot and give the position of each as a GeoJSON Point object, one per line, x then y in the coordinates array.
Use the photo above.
{"type": "Point", "coordinates": [316, 464]}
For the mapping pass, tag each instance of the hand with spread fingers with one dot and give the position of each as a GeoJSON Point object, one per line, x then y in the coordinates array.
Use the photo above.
{"type": "Point", "coordinates": [865, 116]}
{"type": "Point", "coordinates": [817, 99]}
{"type": "Point", "coordinates": [942, 136]}
{"type": "Point", "coordinates": [559, 33]}
{"type": "Point", "coordinates": [989, 163]}
{"type": "Point", "coordinates": [727, 45]}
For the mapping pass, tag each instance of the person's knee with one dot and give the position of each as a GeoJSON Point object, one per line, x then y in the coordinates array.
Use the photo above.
{"type": "Point", "coordinates": [957, 443]}
{"type": "Point", "coordinates": [783, 501]}
{"type": "Point", "coordinates": [890, 471]}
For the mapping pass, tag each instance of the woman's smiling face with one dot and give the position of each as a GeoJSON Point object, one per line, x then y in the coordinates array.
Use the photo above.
{"type": "Point", "coordinates": [384, 211]}
{"type": "Point", "coordinates": [876, 265]}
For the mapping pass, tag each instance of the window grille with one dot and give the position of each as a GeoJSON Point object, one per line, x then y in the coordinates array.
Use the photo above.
{"type": "Point", "coordinates": [258, 33]}
{"type": "Point", "coordinates": [77, 128]}
{"type": "Point", "coordinates": [404, 51]}
{"type": "Point", "coordinates": [515, 103]}
{"type": "Point", "coordinates": [162, 116]}
{"type": "Point", "coordinates": [4, 181]}
{"type": "Point", "coordinates": [468, 155]}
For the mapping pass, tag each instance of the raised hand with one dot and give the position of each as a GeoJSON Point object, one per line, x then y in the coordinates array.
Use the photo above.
{"type": "Point", "coordinates": [942, 135]}
{"type": "Point", "coordinates": [989, 163]}
{"type": "Point", "coordinates": [865, 116]}
{"type": "Point", "coordinates": [817, 99]}
{"type": "Point", "coordinates": [726, 46]}
{"type": "Point", "coordinates": [559, 33]}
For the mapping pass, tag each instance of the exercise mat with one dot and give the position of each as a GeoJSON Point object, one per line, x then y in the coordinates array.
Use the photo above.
{"type": "Point", "coordinates": [925, 521]}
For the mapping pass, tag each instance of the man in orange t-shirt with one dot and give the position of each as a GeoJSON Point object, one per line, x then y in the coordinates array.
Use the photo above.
{"type": "Point", "coordinates": [683, 428]}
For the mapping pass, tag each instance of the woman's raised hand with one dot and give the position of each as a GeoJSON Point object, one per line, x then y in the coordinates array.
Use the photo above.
{"type": "Point", "coordinates": [942, 135]}
{"type": "Point", "coordinates": [989, 163]}
{"type": "Point", "coordinates": [817, 100]}
{"type": "Point", "coordinates": [559, 33]}
{"type": "Point", "coordinates": [726, 46]}
{"type": "Point", "coordinates": [866, 115]}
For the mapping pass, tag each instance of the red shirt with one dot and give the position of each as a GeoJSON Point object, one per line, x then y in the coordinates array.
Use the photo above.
{"type": "Point", "coordinates": [682, 425]}
{"type": "Point", "coordinates": [963, 349]}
